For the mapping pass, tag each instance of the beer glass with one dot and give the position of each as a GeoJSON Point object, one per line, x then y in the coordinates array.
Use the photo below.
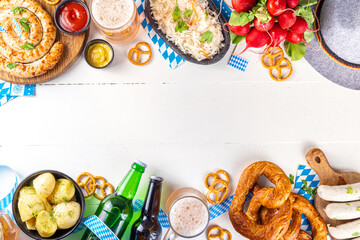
{"type": "Point", "coordinates": [8, 229]}
{"type": "Point", "coordinates": [117, 20]}
{"type": "Point", "coordinates": [188, 214]}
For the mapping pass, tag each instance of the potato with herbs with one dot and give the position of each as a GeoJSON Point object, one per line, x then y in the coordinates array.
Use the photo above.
{"type": "Point", "coordinates": [67, 214]}
{"type": "Point", "coordinates": [27, 190]}
{"type": "Point", "coordinates": [64, 191]}
{"type": "Point", "coordinates": [29, 206]}
{"type": "Point", "coordinates": [44, 184]}
{"type": "Point", "coordinates": [30, 224]}
{"type": "Point", "coordinates": [45, 224]}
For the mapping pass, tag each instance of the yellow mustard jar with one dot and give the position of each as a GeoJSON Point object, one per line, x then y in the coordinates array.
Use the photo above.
{"type": "Point", "coordinates": [99, 53]}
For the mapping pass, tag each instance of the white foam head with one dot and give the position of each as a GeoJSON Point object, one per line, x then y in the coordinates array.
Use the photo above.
{"type": "Point", "coordinates": [189, 217]}
{"type": "Point", "coordinates": [112, 13]}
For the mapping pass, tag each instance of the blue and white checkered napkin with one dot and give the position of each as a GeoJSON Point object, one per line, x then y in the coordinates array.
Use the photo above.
{"type": "Point", "coordinates": [100, 229]}
{"type": "Point", "coordinates": [172, 58]}
{"type": "Point", "coordinates": [9, 91]}
{"type": "Point", "coordinates": [238, 63]}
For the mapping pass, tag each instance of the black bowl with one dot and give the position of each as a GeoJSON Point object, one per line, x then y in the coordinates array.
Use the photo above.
{"type": "Point", "coordinates": [188, 57]}
{"type": "Point", "coordinates": [60, 6]}
{"type": "Point", "coordinates": [98, 41]}
{"type": "Point", "coordinates": [59, 234]}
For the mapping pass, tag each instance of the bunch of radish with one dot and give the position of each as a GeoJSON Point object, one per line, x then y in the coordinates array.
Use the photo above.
{"type": "Point", "coordinates": [282, 22]}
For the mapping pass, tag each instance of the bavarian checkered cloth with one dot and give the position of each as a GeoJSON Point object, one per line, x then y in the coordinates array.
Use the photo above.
{"type": "Point", "coordinates": [172, 58]}
{"type": "Point", "coordinates": [100, 229]}
{"type": "Point", "coordinates": [9, 91]}
{"type": "Point", "coordinates": [238, 63]}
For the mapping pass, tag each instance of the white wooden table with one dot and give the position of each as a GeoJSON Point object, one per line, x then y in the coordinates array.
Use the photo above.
{"type": "Point", "coordinates": [183, 123]}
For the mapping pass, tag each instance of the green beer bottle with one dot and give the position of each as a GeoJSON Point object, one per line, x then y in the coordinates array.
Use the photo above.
{"type": "Point", "coordinates": [116, 210]}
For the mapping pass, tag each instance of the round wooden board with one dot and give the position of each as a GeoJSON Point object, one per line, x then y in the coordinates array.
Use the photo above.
{"type": "Point", "coordinates": [74, 46]}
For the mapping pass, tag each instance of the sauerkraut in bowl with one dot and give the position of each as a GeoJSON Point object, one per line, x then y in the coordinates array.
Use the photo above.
{"type": "Point", "coordinates": [191, 25]}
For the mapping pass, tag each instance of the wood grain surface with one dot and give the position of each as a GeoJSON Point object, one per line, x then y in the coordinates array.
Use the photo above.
{"type": "Point", "coordinates": [328, 176]}
{"type": "Point", "coordinates": [73, 48]}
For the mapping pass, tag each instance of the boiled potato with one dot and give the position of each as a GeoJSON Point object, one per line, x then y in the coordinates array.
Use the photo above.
{"type": "Point", "coordinates": [47, 205]}
{"type": "Point", "coordinates": [45, 224]}
{"type": "Point", "coordinates": [27, 190]}
{"type": "Point", "coordinates": [67, 214]}
{"type": "Point", "coordinates": [29, 206]}
{"type": "Point", "coordinates": [64, 191]}
{"type": "Point", "coordinates": [30, 224]}
{"type": "Point", "coordinates": [44, 184]}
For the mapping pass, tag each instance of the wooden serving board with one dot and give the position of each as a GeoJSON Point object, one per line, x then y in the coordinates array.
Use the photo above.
{"type": "Point", "coordinates": [328, 176]}
{"type": "Point", "coordinates": [73, 48]}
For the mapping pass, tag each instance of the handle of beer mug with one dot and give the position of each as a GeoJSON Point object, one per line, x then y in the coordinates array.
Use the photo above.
{"type": "Point", "coordinates": [170, 235]}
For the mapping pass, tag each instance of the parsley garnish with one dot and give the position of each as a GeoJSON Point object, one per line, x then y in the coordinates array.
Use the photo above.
{"type": "Point", "coordinates": [347, 204]}
{"type": "Point", "coordinates": [206, 14]}
{"type": "Point", "coordinates": [25, 24]}
{"type": "Point", "coordinates": [358, 209]}
{"type": "Point", "coordinates": [349, 190]}
{"type": "Point", "coordinates": [335, 218]}
{"type": "Point", "coordinates": [17, 10]}
{"type": "Point", "coordinates": [27, 46]}
{"type": "Point", "coordinates": [355, 234]}
{"type": "Point", "coordinates": [291, 178]}
{"type": "Point", "coordinates": [188, 13]}
{"type": "Point", "coordinates": [176, 13]}
{"type": "Point", "coordinates": [11, 65]}
{"type": "Point", "coordinates": [308, 189]}
{"type": "Point", "coordinates": [181, 26]}
{"type": "Point", "coordinates": [207, 37]}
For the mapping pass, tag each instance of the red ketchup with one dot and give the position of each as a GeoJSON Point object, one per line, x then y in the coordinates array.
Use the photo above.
{"type": "Point", "coordinates": [73, 17]}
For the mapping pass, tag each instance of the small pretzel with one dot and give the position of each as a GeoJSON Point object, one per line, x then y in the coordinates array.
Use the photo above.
{"type": "Point", "coordinates": [138, 52]}
{"type": "Point", "coordinates": [279, 70]}
{"type": "Point", "coordinates": [89, 184]}
{"type": "Point", "coordinates": [221, 233]}
{"type": "Point", "coordinates": [275, 57]}
{"type": "Point", "coordinates": [217, 191]}
{"type": "Point", "coordinates": [103, 187]}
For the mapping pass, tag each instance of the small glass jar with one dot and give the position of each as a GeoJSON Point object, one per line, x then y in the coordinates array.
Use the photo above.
{"type": "Point", "coordinates": [121, 34]}
{"type": "Point", "coordinates": [8, 229]}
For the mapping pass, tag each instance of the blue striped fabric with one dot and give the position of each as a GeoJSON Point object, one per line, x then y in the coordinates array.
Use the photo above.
{"type": "Point", "coordinates": [99, 228]}
{"type": "Point", "coordinates": [17, 27]}
{"type": "Point", "coordinates": [8, 198]}
{"type": "Point", "coordinates": [238, 63]}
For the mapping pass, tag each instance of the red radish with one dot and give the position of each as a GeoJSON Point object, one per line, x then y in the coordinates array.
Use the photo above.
{"type": "Point", "coordinates": [287, 19]}
{"type": "Point", "coordinates": [243, 5]}
{"type": "Point", "coordinates": [240, 30]}
{"type": "Point", "coordinates": [263, 27]}
{"type": "Point", "coordinates": [294, 37]}
{"type": "Point", "coordinates": [276, 7]}
{"type": "Point", "coordinates": [292, 3]}
{"type": "Point", "coordinates": [300, 26]}
{"type": "Point", "coordinates": [256, 39]}
{"type": "Point", "coordinates": [278, 35]}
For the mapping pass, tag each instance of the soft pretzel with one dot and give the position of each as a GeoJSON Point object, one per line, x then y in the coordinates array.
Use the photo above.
{"type": "Point", "coordinates": [273, 198]}
{"type": "Point", "coordinates": [300, 206]}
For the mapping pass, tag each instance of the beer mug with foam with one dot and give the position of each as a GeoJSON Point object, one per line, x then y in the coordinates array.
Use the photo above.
{"type": "Point", "coordinates": [188, 214]}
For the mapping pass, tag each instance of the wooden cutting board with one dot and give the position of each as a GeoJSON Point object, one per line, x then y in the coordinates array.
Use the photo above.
{"type": "Point", "coordinates": [74, 46]}
{"type": "Point", "coordinates": [328, 176]}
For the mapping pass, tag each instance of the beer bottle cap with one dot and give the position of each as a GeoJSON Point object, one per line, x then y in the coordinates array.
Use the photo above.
{"type": "Point", "coordinates": [140, 163]}
{"type": "Point", "coordinates": [156, 178]}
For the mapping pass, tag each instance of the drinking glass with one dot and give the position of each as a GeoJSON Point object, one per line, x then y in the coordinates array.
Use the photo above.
{"type": "Point", "coordinates": [8, 229]}
{"type": "Point", "coordinates": [190, 195]}
{"type": "Point", "coordinates": [121, 34]}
